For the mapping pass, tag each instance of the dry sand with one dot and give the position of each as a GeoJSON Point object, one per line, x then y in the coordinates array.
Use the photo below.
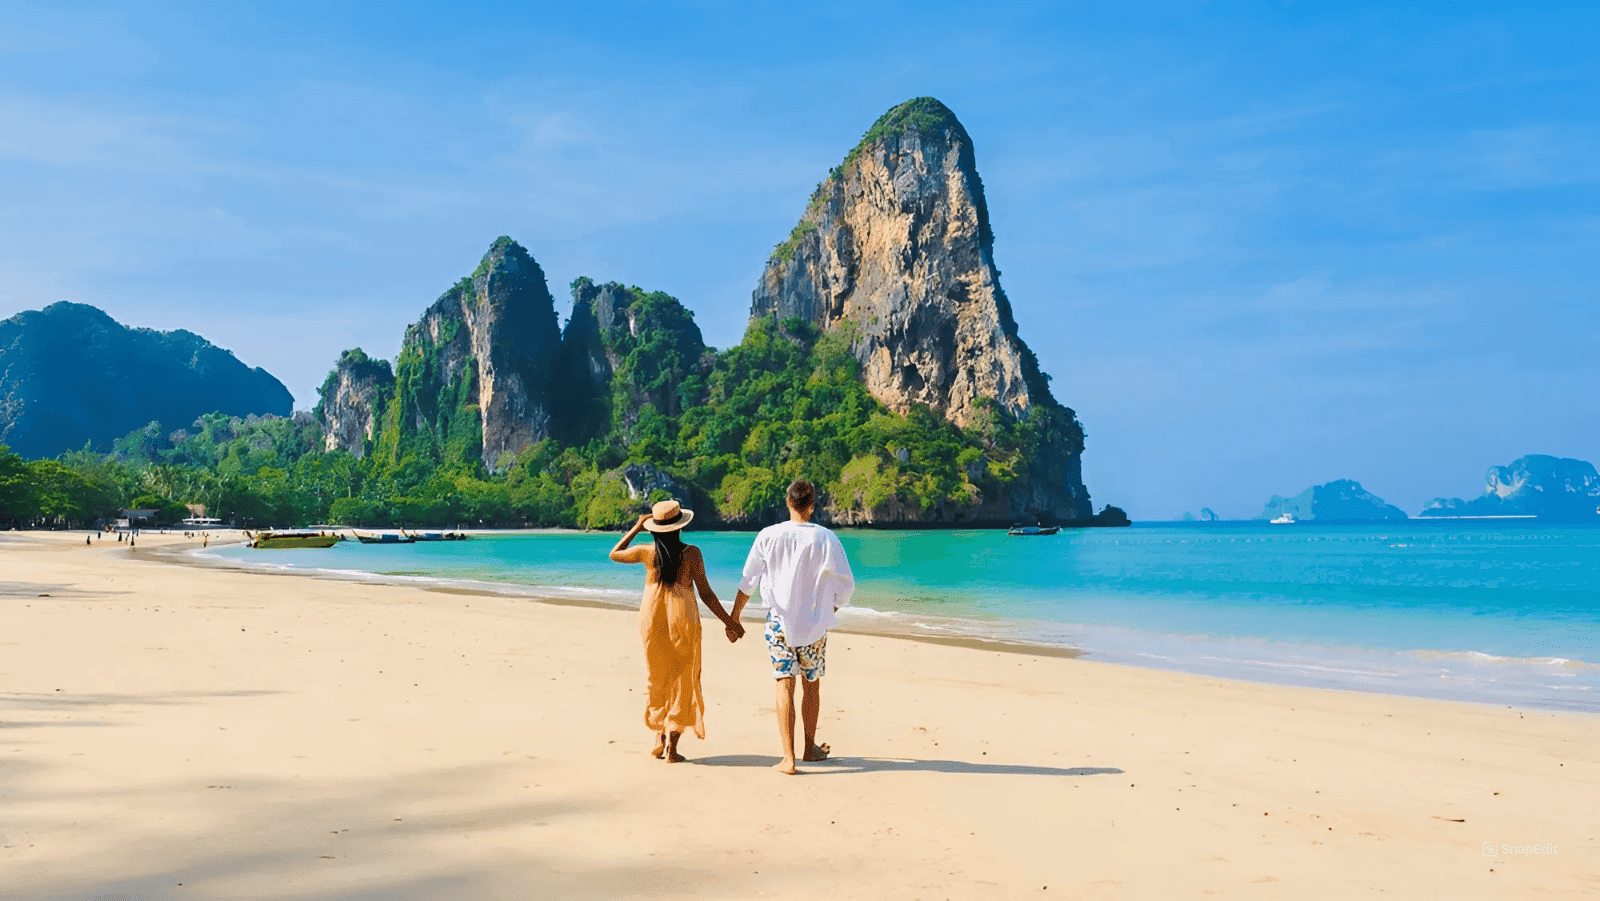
{"type": "Point", "coordinates": [172, 731]}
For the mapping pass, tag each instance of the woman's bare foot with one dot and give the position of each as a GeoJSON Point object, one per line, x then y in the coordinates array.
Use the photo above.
{"type": "Point", "coordinates": [661, 746]}
{"type": "Point", "coordinates": [817, 752]}
{"type": "Point", "coordinates": [672, 749]}
{"type": "Point", "coordinates": [786, 766]}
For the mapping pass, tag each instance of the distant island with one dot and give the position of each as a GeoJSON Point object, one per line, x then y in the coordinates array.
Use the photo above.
{"type": "Point", "coordinates": [70, 375]}
{"type": "Point", "coordinates": [1343, 500]}
{"type": "Point", "coordinates": [1554, 488]}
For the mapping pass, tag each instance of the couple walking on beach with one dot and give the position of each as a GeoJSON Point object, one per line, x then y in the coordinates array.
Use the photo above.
{"type": "Point", "coordinates": [803, 577]}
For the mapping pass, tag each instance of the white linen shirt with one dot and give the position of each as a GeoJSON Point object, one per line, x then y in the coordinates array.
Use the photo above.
{"type": "Point", "coordinates": [803, 575]}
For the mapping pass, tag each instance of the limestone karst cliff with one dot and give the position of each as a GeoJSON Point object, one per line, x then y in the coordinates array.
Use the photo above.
{"type": "Point", "coordinates": [626, 353]}
{"type": "Point", "coordinates": [881, 361]}
{"type": "Point", "coordinates": [473, 379]}
{"type": "Point", "coordinates": [353, 399]}
{"type": "Point", "coordinates": [895, 249]}
{"type": "Point", "coordinates": [1558, 488]}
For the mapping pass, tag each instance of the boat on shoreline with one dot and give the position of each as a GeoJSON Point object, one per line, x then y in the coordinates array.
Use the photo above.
{"type": "Point", "coordinates": [434, 536]}
{"type": "Point", "coordinates": [1033, 530]}
{"type": "Point", "coordinates": [383, 538]}
{"type": "Point", "coordinates": [282, 540]}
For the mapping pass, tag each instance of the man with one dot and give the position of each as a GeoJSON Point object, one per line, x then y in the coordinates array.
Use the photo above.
{"type": "Point", "coordinates": [804, 579]}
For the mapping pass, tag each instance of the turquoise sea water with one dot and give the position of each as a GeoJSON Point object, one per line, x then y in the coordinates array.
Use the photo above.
{"type": "Point", "coordinates": [1498, 613]}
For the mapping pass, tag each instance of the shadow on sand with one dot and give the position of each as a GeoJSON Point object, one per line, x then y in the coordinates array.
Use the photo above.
{"type": "Point", "coordinates": [902, 764]}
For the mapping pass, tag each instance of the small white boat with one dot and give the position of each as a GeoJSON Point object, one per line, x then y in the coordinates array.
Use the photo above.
{"type": "Point", "coordinates": [1284, 518]}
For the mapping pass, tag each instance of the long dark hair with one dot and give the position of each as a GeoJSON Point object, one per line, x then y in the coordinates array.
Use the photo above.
{"type": "Point", "coordinates": [669, 555]}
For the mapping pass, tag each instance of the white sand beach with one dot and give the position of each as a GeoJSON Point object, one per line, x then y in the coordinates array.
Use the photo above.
{"type": "Point", "coordinates": [177, 731]}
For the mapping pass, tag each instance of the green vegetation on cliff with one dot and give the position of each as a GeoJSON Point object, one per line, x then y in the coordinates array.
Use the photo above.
{"type": "Point", "coordinates": [924, 115]}
{"type": "Point", "coordinates": [70, 373]}
{"type": "Point", "coordinates": [729, 429]}
{"type": "Point", "coordinates": [916, 114]}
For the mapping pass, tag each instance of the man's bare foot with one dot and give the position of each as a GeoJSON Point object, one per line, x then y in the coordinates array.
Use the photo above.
{"type": "Point", "coordinates": [786, 766]}
{"type": "Point", "coordinates": [817, 752]}
{"type": "Point", "coordinates": [661, 746]}
{"type": "Point", "coordinates": [672, 749]}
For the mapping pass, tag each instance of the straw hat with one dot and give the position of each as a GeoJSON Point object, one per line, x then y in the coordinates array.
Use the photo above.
{"type": "Point", "coordinates": [668, 516]}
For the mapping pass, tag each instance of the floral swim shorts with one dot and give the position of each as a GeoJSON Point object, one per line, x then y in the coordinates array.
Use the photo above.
{"type": "Point", "coordinates": [811, 660]}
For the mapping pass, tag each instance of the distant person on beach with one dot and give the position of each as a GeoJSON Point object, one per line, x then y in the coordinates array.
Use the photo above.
{"type": "Point", "coordinates": [804, 579]}
{"type": "Point", "coordinates": [669, 625]}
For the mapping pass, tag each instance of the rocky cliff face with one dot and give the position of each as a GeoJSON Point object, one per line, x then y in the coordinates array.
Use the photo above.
{"type": "Point", "coordinates": [70, 374]}
{"type": "Point", "coordinates": [1536, 485]}
{"type": "Point", "coordinates": [353, 400]}
{"type": "Point", "coordinates": [626, 353]}
{"type": "Point", "coordinates": [895, 248]}
{"type": "Point", "coordinates": [474, 374]}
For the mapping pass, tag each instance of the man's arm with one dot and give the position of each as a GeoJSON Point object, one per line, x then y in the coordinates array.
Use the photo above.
{"type": "Point", "coordinates": [837, 565]}
{"type": "Point", "coordinates": [755, 564]}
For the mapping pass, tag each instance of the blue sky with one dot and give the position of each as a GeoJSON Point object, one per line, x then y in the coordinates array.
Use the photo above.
{"type": "Point", "coordinates": [1258, 246]}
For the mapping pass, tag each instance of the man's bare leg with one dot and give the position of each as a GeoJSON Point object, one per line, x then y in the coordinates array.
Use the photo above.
{"type": "Point", "coordinates": [810, 710]}
{"type": "Point", "coordinates": [786, 725]}
{"type": "Point", "coordinates": [672, 748]}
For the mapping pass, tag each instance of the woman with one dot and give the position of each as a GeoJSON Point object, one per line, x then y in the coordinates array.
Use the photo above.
{"type": "Point", "coordinates": [669, 624]}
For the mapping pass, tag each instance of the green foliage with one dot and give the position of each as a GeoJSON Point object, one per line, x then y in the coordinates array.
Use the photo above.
{"type": "Point", "coordinates": [609, 505]}
{"type": "Point", "coordinates": [733, 428]}
{"type": "Point", "coordinates": [434, 414]}
{"type": "Point", "coordinates": [917, 114]}
{"type": "Point", "coordinates": [921, 114]}
{"type": "Point", "coordinates": [16, 488]}
{"type": "Point", "coordinates": [785, 250]}
{"type": "Point", "coordinates": [498, 247]}
{"type": "Point", "coordinates": [360, 366]}
{"type": "Point", "coordinates": [61, 495]}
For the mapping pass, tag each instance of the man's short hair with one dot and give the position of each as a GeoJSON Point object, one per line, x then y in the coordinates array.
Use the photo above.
{"type": "Point", "coordinates": [802, 494]}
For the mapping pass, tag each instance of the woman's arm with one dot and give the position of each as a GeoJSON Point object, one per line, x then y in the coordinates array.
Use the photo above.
{"type": "Point", "coordinates": [619, 553]}
{"type": "Point", "coordinates": [709, 597]}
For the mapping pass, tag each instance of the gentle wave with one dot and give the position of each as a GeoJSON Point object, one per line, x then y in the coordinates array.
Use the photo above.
{"type": "Point", "coordinates": [1481, 657]}
{"type": "Point", "coordinates": [509, 588]}
{"type": "Point", "coordinates": [1329, 608]}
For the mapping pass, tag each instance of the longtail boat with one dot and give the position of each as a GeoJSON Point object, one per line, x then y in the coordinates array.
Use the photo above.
{"type": "Point", "coordinates": [384, 538]}
{"type": "Point", "coordinates": [281, 540]}
{"type": "Point", "coordinates": [433, 536]}
{"type": "Point", "coordinates": [1033, 530]}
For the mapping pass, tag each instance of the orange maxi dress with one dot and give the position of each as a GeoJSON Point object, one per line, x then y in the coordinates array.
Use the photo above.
{"type": "Point", "coordinates": [669, 626]}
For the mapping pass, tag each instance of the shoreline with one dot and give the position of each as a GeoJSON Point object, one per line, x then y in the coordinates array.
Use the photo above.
{"type": "Point", "coordinates": [175, 731]}
{"type": "Point", "coordinates": [471, 588]}
{"type": "Point", "coordinates": [1208, 661]}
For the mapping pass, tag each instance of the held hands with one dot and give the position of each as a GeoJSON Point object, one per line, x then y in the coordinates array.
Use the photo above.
{"type": "Point", "coordinates": [734, 630]}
